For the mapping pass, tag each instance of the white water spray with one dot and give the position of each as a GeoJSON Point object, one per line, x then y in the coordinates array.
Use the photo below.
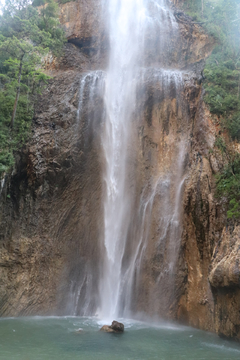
{"type": "Point", "coordinates": [126, 28]}
{"type": "Point", "coordinates": [141, 217]}
{"type": "Point", "coordinates": [128, 25]}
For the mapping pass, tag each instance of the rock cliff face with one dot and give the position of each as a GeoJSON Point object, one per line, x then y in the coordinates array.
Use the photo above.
{"type": "Point", "coordinates": [51, 221]}
{"type": "Point", "coordinates": [50, 193]}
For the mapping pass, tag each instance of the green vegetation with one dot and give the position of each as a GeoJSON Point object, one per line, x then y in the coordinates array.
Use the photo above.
{"type": "Point", "coordinates": [27, 34]}
{"type": "Point", "coordinates": [228, 180]}
{"type": "Point", "coordinates": [228, 184]}
{"type": "Point", "coordinates": [220, 144]}
{"type": "Point", "coordinates": [221, 19]}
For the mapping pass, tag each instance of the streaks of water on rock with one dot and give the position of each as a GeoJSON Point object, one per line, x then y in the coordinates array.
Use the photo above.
{"type": "Point", "coordinates": [128, 79]}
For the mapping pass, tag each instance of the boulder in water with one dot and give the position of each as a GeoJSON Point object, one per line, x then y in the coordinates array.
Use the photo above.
{"type": "Point", "coordinates": [107, 328]}
{"type": "Point", "coordinates": [116, 327]}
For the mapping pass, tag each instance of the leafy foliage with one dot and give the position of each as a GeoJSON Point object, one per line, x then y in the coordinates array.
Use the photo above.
{"type": "Point", "coordinates": [228, 184]}
{"type": "Point", "coordinates": [220, 144]}
{"type": "Point", "coordinates": [221, 19]}
{"type": "Point", "coordinates": [27, 34]}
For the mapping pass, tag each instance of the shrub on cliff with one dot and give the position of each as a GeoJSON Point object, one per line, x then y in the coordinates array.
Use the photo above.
{"type": "Point", "coordinates": [221, 19]}
{"type": "Point", "coordinates": [222, 72]}
{"type": "Point", "coordinates": [228, 185]}
{"type": "Point", "coordinates": [27, 34]}
{"type": "Point", "coordinates": [222, 91]}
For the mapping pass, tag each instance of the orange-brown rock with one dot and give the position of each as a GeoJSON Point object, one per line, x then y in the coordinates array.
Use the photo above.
{"type": "Point", "coordinates": [225, 267]}
{"type": "Point", "coordinates": [116, 328]}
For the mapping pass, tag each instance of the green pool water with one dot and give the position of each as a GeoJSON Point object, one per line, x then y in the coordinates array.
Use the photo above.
{"type": "Point", "coordinates": [53, 338]}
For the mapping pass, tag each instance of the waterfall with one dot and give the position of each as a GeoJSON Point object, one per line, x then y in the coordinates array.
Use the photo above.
{"type": "Point", "coordinates": [129, 25]}
{"type": "Point", "coordinates": [142, 178]}
{"type": "Point", "coordinates": [126, 29]}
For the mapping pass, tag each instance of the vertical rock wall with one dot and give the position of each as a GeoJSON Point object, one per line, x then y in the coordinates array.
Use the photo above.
{"type": "Point", "coordinates": [51, 203]}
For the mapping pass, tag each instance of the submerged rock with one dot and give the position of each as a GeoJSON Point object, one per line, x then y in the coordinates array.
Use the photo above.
{"type": "Point", "coordinates": [107, 328]}
{"type": "Point", "coordinates": [116, 327]}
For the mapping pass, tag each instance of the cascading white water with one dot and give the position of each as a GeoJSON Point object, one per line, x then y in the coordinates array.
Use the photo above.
{"type": "Point", "coordinates": [129, 23]}
{"type": "Point", "coordinates": [142, 186]}
{"type": "Point", "coordinates": [165, 190]}
{"type": "Point", "coordinates": [90, 79]}
{"type": "Point", "coordinates": [126, 29]}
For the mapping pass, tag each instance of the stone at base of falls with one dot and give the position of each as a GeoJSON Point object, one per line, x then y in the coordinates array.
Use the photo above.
{"type": "Point", "coordinates": [116, 327]}
{"type": "Point", "coordinates": [107, 328]}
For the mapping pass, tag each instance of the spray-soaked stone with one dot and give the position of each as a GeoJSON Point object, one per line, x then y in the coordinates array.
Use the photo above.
{"type": "Point", "coordinates": [116, 327]}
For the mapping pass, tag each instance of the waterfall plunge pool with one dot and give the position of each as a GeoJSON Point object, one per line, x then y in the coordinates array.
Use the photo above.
{"type": "Point", "coordinates": [56, 338]}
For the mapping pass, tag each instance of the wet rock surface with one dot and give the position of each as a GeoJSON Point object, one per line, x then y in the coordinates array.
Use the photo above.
{"type": "Point", "coordinates": [225, 267]}
{"type": "Point", "coordinates": [45, 202]}
{"type": "Point", "coordinates": [116, 327]}
{"type": "Point", "coordinates": [107, 329]}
